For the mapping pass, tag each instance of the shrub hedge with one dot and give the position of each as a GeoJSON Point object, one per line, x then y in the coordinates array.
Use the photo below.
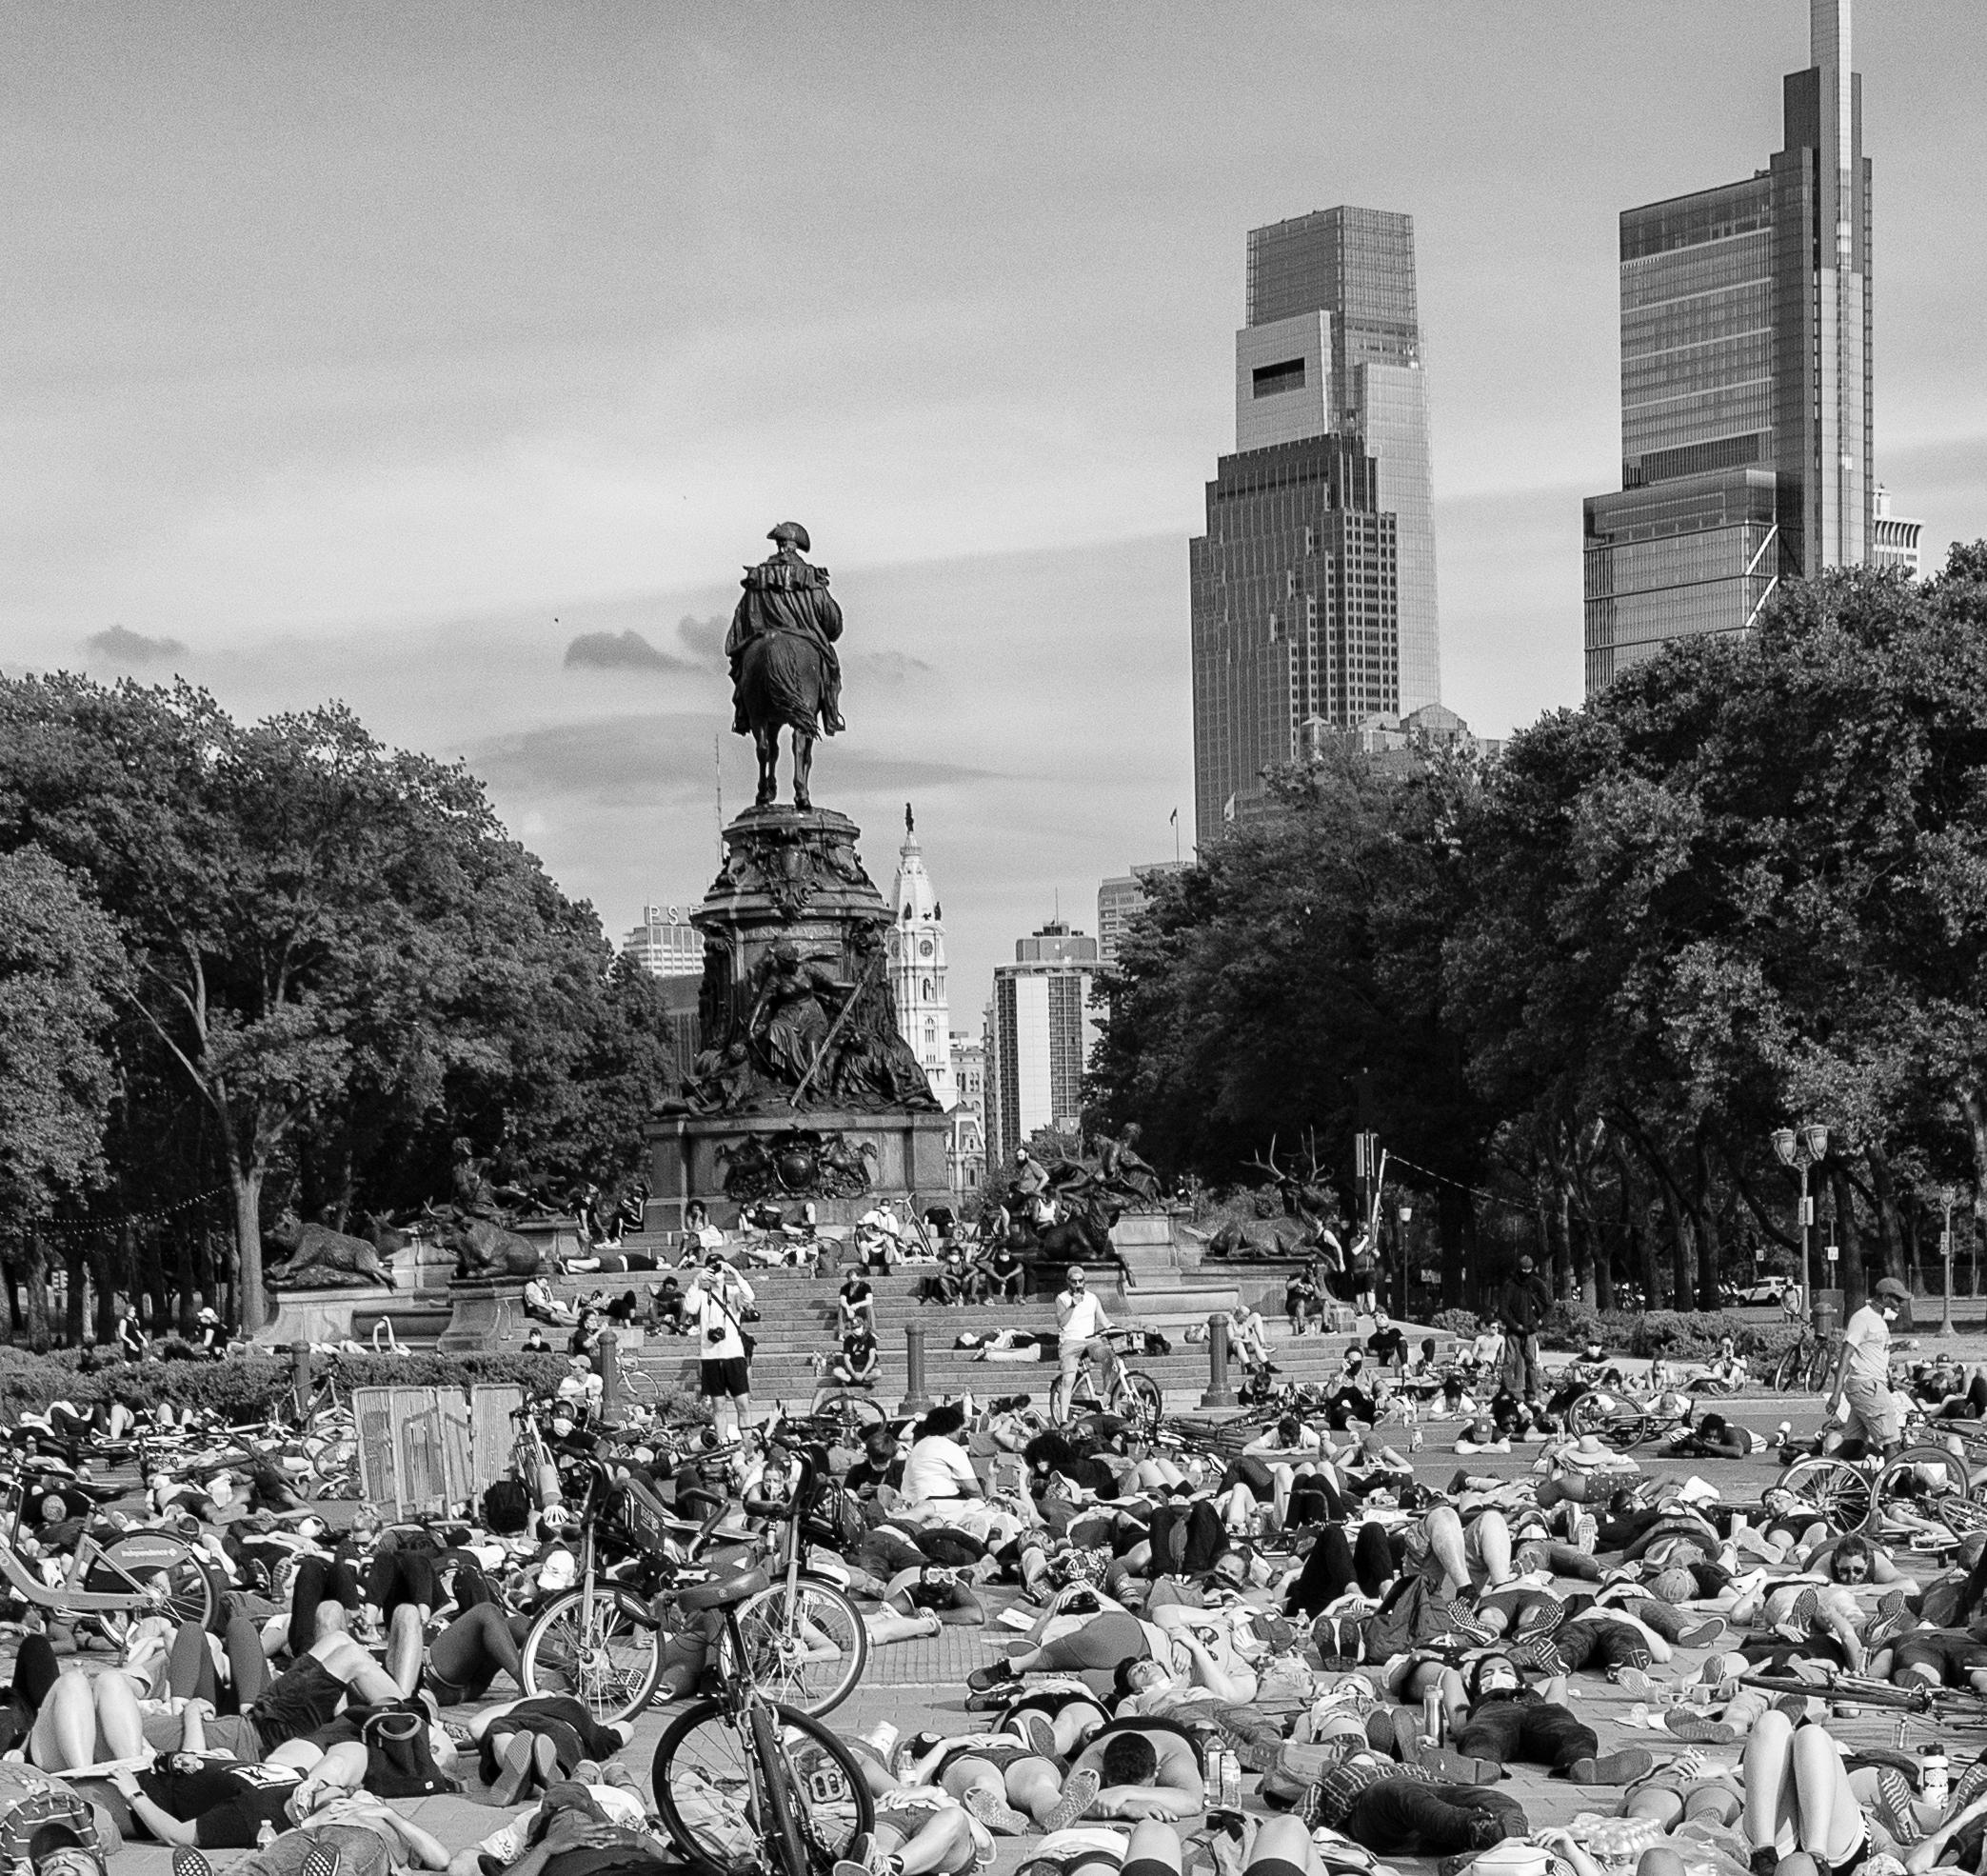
{"type": "Point", "coordinates": [241, 1385]}
{"type": "Point", "coordinates": [1690, 1335]}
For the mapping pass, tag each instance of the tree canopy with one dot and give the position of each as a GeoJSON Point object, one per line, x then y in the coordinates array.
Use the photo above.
{"type": "Point", "coordinates": [1742, 887]}
{"type": "Point", "coordinates": [336, 956]}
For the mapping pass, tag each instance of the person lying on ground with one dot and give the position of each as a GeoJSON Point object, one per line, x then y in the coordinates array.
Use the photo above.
{"type": "Point", "coordinates": [1506, 1720]}
{"type": "Point", "coordinates": [1713, 1437]}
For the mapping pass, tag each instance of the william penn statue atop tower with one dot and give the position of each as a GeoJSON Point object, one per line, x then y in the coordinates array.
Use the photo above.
{"type": "Point", "coordinates": [785, 671]}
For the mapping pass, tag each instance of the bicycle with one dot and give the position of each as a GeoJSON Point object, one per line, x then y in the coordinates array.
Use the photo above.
{"type": "Point", "coordinates": [1807, 1362]}
{"type": "Point", "coordinates": [148, 1573]}
{"type": "Point", "coordinates": [742, 1782]}
{"type": "Point", "coordinates": [1947, 1705]}
{"type": "Point", "coordinates": [1129, 1394]}
{"type": "Point", "coordinates": [604, 1641]}
{"type": "Point", "coordinates": [838, 1417]}
{"type": "Point", "coordinates": [1621, 1422]}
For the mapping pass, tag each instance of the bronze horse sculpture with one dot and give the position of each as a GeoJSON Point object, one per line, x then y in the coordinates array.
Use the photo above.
{"type": "Point", "coordinates": [785, 671]}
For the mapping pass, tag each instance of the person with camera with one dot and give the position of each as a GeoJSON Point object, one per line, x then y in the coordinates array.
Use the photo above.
{"type": "Point", "coordinates": [716, 1308]}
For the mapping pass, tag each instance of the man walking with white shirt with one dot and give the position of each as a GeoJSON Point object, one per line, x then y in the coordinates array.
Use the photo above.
{"type": "Point", "coordinates": [1079, 1326]}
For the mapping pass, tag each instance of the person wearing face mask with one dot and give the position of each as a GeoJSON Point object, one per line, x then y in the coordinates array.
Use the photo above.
{"type": "Point", "coordinates": [1081, 1323]}
{"type": "Point", "coordinates": [1861, 1383]}
{"type": "Point", "coordinates": [1351, 1397]}
{"type": "Point", "coordinates": [1507, 1721]}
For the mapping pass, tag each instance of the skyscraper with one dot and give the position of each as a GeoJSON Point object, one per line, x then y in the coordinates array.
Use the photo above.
{"type": "Point", "coordinates": [1745, 383]}
{"type": "Point", "coordinates": [1039, 1034]}
{"type": "Point", "coordinates": [1314, 585]}
{"type": "Point", "coordinates": [1121, 899]}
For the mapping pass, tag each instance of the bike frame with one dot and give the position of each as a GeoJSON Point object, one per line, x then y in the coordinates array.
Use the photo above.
{"type": "Point", "coordinates": [69, 1594]}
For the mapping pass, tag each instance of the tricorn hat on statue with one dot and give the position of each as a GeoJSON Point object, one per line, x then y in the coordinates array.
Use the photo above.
{"type": "Point", "coordinates": [791, 534]}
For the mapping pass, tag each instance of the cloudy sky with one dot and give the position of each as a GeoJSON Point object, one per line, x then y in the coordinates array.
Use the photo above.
{"type": "Point", "coordinates": [384, 350]}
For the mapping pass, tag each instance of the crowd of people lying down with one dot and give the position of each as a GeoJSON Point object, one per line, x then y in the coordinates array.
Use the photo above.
{"type": "Point", "coordinates": [1282, 1651]}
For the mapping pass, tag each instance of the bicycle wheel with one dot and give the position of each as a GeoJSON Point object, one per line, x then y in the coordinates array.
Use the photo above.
{"type": "Point", "coordinates": [164, 1575]}
{"type": "Point", "coordinates": [1918, 1480]}
{"type": "Point", "coordinates": [640, 1385]}
{"type": "Point", "coordinates": [1822, 1364]}
{"type": "Point", "coordinates": [806, 1649]}
{"type": "Point", "coordinates": [1791, 1370]}
{"type": "Point", "coordinates": [709, 1780]}
{"type": "Point", "coordinates": [1831, 1489]}
{"type": "Point", "coordinates": [592, 1649]}
{"type": "Point", "coordinates": [1620, 1424]}
{"type": "Point", "coordinates": [1140, 1400]}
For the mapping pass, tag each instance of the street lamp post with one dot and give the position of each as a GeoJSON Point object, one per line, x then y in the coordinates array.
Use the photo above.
{"type": "Point", "coordinates": [1402, 1253]}
{"type": "Point", "coordinates": [1800, 1148]}
{"type": "Point", "coordinates": [1946, 1197]}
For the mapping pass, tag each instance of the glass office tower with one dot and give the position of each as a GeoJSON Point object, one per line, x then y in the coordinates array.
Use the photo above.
{"type": "Point", "coordinates": [1745, 383]}
{"type": "Point", "coordinates": [1313, 585]}
{"type": "Point", "coordinates": [1356, 267]}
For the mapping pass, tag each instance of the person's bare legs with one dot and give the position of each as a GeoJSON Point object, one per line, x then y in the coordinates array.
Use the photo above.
{"type": "Point", "coordinates": [1494, 1543]}
{"type": "Point", "coordinates": [945, 1843]}
{"type": "Point", "coordinates": [1445, 1545]}
{"type": "Point", "coordinates": [406, 1647]}
{"type": "Point", "coordinates": [1033, 1787]}
{"type": "Point", "coordinates": [1282, 1841]}
{"type": "Point", "coordinates": [1770, 1801]}
{"type": "Point", "coordinates": [1831, 1820]}
{"type": "Point", "coordinates": [1155, 1841]}
{"type": "Point", "coordinates": [119, 1724]}
{"type": "Point", "coordinates": [64, 1735]}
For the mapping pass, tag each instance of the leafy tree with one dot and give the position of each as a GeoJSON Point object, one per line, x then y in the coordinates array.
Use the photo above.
{"type": "Point", "coordinates": [335, 948]}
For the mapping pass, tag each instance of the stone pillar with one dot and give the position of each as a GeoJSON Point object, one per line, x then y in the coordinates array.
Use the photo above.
{"type": "Point", "coordinates": [1219, 1393]}
{"type": "Point", "coordinates": [610, 1402]}
{"type": "Point", "coordinates": [299, 1368]}
{"type": "Point", "coordinates": [915, 1399]}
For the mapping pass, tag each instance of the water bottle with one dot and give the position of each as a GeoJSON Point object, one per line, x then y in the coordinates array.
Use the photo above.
{"type": "Point", "coordinates": [1931, 1775]}
{"type": "Point", "coordinates": [1221, 1777]}
{"type": "Point", "coordinates": [1432, 1716]}
{"type": "Point", "coordinates": [266, 1835]}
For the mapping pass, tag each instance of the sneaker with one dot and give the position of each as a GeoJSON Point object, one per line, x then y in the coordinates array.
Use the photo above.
{"type": "Point", "coordinates": [1884, 1630]}
{"type": "Point", "coordinates": [1039, 1730]}
{"type": "Point", "coordinates": [1540, 1655]}
{"type": "Point", "coordinates": [545, 1762]}
{"type": "Point", "coordinates": [513, 1769]}
{"type": "Point", "coordinates": [1699, 1728]}
{"type": "Point", "coordinates": [995, 1674]}
{"type": "Point", "coordinates": [1639, 1682]}
{"type": "Point", "coordinates": [1706, 1634]}
{"type": "Point", "coordinates": [1968, 1785]}
{"type": "Point", "coordinates": [323, 1860]}
{"type": "Point", "coordinates": [995, 1813]}
{"type": "Point", "coordinates": [1894, 1806]}
{"type": "Point", "coordinates": [190, 1863]}
{"type": "Point", "coordinates": [1799, 1621]}
{"type": "Point", "coordinates": [1622, 1768]}
{"type": "Point", "coordinates": [1545, 1617]}
{"type": "Point", "coordinates": [1079, 1794]}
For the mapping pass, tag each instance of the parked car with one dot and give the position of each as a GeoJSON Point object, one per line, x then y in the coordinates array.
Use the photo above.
{"type": "Point", "coordinates": [1768, 1290]}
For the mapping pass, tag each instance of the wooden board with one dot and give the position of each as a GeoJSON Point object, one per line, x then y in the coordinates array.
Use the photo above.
{"type": "Point", "coordinates": [424, 1451]}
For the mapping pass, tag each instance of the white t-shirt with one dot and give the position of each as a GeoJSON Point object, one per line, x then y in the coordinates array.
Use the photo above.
{"type": "Point", "coordinates": [1086, 1315]}
{"type": "Point", "coordinates": [703, 1311]}
{"type": "Point", "coordinates": [938, 1469]}
{"type": "Point", "coordinates": [1869, 1339]}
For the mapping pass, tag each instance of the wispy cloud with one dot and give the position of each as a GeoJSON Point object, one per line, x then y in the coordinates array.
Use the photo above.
{"type": "Point", "coordinates": [620, 652]}
{"type": "Point", "coordinates": [118, 646]}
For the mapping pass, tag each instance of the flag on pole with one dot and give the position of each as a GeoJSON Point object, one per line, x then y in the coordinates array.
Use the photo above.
{"type": "Point", "coordinates": [1174, 817]}
{"type": "Point", "coordinates": [1228, 808]}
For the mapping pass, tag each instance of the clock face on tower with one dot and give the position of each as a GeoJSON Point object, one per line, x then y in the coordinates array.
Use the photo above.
{"type": "Point", "coordinates": [925, 947]}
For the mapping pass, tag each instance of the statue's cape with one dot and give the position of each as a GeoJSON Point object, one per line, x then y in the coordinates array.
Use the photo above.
{"type": "Point", "coordinates": [782, 575]}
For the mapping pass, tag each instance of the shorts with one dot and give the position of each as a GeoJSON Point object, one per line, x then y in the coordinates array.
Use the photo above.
{"type": "Point", "coordinates": [731, 1378]}
{"type": "Point", "coordinates": [1951, 1657]}
{"type": "Point", "coordinates": [1873, 1411]}
{"type": "Point", "coordinates": [224, 1732]}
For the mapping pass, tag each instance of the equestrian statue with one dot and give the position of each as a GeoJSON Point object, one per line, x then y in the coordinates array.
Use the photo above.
{"type": "Point", "coordinates": [785, 671]}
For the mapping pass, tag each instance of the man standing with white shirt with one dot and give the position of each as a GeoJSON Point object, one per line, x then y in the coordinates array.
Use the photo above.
{"type": "Point", "coordinates": [1079, 1326]}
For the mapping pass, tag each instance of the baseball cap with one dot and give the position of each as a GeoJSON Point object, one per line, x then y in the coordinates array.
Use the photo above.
{"type": "Point", "coordinates": [1890, 1287]}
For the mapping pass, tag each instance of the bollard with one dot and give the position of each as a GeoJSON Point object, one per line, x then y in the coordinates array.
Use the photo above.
{"type": "Point", "coordinates": [915, 1399]}
{"type": "Point", "coordinates": [300, 1375]}
{"type": "Point", "coordinates": [1219, 1393]}
{"type": "Point", "coordinates": [611, 1378]}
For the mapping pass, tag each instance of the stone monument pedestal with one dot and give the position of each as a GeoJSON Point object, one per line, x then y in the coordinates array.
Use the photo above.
{"type": "Point", "coordinates": [319, 1315]}
{"type": "Point", "coordinates": [905, 1157]}
{"type": "Point", "coordinates": [804, 1091]}
{"type": "Point", "coordinates": [487, 1312]}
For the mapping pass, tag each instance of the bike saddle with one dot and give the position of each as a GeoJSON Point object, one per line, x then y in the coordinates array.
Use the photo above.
{"type": "Point", "coordinates": [725, 1592]}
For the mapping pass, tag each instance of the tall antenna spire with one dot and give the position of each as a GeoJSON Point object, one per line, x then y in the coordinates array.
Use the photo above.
{"type": "Point", "coordinates": [717, 769]}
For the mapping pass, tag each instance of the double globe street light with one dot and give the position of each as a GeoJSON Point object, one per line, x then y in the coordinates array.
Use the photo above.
{"type": "Point", "coordinates": [1802, 1148]}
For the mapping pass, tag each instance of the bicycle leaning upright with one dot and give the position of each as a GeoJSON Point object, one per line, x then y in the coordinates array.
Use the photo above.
{"type": "Point", "coordinates": [743, 1784]}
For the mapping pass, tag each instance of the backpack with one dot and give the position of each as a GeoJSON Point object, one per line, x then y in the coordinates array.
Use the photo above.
{"type": "Point", "coordinates": [1297, 1767]}
{"type": "Point", "coordinates": [506, 1508]}
{"type": "Point", "coordinates": [1409, 1615]}
{"type": "Point", "coordinates": [31, 1804]}
{"type": "Point", "coordinates": [399, 1761]}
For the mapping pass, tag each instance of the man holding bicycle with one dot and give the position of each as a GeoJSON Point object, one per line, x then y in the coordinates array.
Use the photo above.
{"type": "Point", "coordinates": [1081, 1323]}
